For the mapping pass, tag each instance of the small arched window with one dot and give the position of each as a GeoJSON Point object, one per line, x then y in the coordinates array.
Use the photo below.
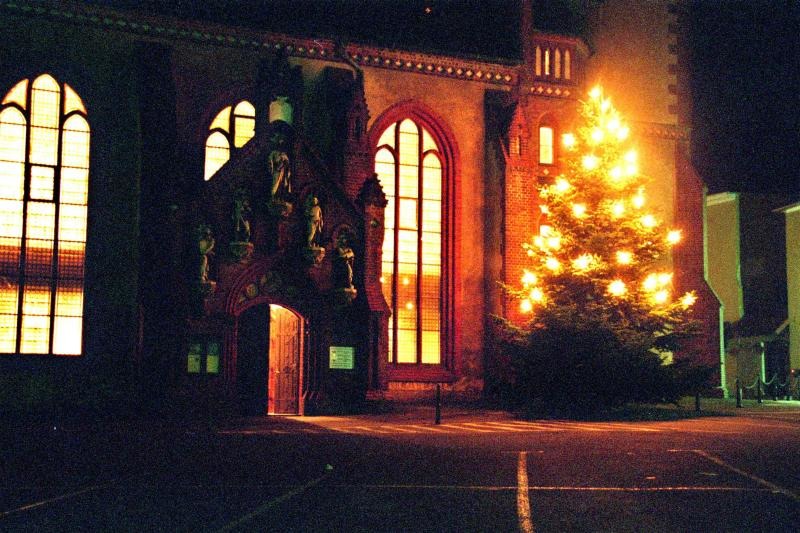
{"type": "Point", "coordinates": [44, 182]}
{"type": "Point", "coordinates": [546, 146]}
{"type": "Point", "coordinates": [229, 131]}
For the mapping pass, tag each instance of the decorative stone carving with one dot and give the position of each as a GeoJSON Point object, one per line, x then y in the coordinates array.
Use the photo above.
{"type": "Point", "coordinates": [314, 224]}
{"type": "Point", "coordinates": [205, 248]}
{"type": "Point", "coordinates": [241, 248]}
{"type": "Point", "coordinates": [280, 175]}
{"type": "Point", "coordinates": [343, 270]}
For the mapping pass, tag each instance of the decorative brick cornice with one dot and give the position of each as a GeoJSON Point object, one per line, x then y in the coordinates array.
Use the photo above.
{"type": "Point", "coordinates": [166, 28]}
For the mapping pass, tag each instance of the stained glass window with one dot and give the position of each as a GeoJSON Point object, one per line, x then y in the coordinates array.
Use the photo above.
{"type": "Point", "coordinates": [546, 155]}
{"type": "Point", "coordinates": [409, 166]}
{"type": "Point", "coordinates": [44, 181]}
{"type": "Point", "coordinates": [230, 129]}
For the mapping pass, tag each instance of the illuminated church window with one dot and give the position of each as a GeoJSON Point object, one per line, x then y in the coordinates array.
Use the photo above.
{"type": "Point", "coordinates": [409, 165]}
{"type": "Point", "coordinates": [546, 155]}
{"type": "Point", "coordinates": [230, 130]}
{"type": "Point", "coordinates": [44, 180]}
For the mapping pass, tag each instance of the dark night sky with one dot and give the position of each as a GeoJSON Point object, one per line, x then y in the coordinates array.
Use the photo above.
{"type": "Point", "coordinates": [745, 66]}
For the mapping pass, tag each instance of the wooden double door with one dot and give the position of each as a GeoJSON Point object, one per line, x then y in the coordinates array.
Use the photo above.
{"type": "Point", "coordinates": [269, 360]}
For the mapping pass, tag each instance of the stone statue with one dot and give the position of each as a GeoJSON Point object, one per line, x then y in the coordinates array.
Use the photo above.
{"type": "Point", "coordinates": [314, 221]}
{"type": "Point", "coordinates": [279, 169]}
{"type": "Point", "coordinates": [241, 214]}
{"type": "Point", "coordinates": [345, 257]}
{"type": "Point", "coordinates": [205, 245]}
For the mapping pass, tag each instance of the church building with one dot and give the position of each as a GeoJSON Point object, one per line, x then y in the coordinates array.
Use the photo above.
{"type": "Point", "coordinates": [251, 209]}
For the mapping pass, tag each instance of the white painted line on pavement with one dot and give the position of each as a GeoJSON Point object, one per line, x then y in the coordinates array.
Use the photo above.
{"type": "Point", "coordinates": [270, 504]}
{"type": "Point", "coordinates": [34, 505]}
{"type": "Point", "coordinates": [523, 503]}
{"type": "Point", "coordinates": [761, 481]}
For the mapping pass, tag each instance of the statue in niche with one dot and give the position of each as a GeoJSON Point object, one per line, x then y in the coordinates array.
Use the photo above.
{"type": "Point", "coordinates": [205, 247]}
{"type": "Point", "coordinates": [241, 216]}
{"type": "Point", "coordinates": [343, 269]}
{"type": "Point", "coordinates": [280, 171]}
{"type": "Point", "coordinates": [314, 221]}
{"type": "Point", "coordinates": [241, 247]}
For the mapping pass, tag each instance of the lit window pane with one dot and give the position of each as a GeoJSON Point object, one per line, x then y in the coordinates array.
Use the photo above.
{"type": "Point", "coordinates": [406, 346]}
{"type": "Point", "coordinates": [35, 336]}
{"type": "Point", "coordinates": [222, 120]}
{"type": "Point", "coordinates": [430, 348]}
{"type": "Point", "coordinates": [387, 137]}
{"type": "Point", "coordinates": [409, 181]}
{"type": "Point", "coordinates": [72, 102]}
{"type": "Point", "coordinates": [74, 186]}
{"type": "Point", "coordinates": [36, 299]}
{"type": "Point", "coordinates": [12, 135]}
{"type": "Point", "coordinates": [245, 109]}
{"type": "Point", "coordinates": [11, 219]}
{"type": "Point", "coordinates": [71, 224]}
{"type": "Point", "coordinates": [218, 152]}
{"type": "Point", "coordinates": [17, 94]}
{"type": "Point", "coordinates": [9, 259]}
{"type": "Point", "coordinates": [408, 213]}
{"type": "Point", "coordinates": [41, 220]}
{"type": "Point", "coordinates": [8, 331]}
{"type": "Point", "coordinates": [8, 299]}
{"type": "Point", "coordinates": [71, 256]}
{"type": "Point", "coordinates": [75, 150]}
{"type": "Point", "coordinates": [427, 141]}
{"type": "Point", "coordinates": [546, 146]}
{"type": "Point", "coordinates": [67, 335]}
{"type": "Point", "coordinates": [45, 108]}
{"type": "Point", "coordinates": [245, 129]}
{"type": "Point", "coordinates": [41, 187]}
{"type": "Point", "coordinates": [69, 299]}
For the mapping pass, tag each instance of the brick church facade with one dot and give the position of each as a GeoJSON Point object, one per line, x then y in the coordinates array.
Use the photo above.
{"type": "Point", "coordinates": [294, 223]}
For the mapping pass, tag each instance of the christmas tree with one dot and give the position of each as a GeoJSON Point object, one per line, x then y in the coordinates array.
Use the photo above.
{"type": "Point", "coordinates": [599, 286]}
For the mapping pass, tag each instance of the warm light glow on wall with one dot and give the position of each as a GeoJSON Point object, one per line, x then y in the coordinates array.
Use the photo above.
{"type": "Point", "coordinates": [409, 167]}
{"type": "Point", "coordinates": [41, 305]}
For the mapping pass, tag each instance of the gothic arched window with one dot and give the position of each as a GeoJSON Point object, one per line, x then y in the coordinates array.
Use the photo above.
{"type": "Point", "coordinates": [410, 167]}
{"type": "Point", "coordinates": [229, 131]}
{"type": "Point", "coordinates": [44, 182]}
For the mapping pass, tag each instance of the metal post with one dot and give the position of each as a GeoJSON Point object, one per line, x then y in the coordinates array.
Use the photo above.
{"type": "Point", "coordinates": [438, 419]}
{"type": "Point", "coordinates": [738, 393]}
{"type": "Point", "coordinates": [758, 390]}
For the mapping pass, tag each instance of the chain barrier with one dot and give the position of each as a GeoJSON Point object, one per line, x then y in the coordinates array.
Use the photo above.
{"type": "Point", "coordinates": [787, 390]}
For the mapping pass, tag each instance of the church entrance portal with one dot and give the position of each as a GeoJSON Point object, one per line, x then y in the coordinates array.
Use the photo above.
{"type": "Point", "coordinates": [269, 360]}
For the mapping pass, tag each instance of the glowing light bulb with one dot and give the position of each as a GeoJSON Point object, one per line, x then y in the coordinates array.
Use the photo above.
{"type": "Point", "coordinates": [617, 287]}
{"type": "Point", "coordinates": [631, 169]}
{"type": "Point", "coordinates": [544, 209]}
{"type": "Point", "coordinates": [624, 257]}
{"type": "Point", "coordinates": [597, 135]}
{"type": "Point", "coordinates": [664, 278]}
{"type": "Point", "coordinates": [552, 264]}
{"type": "Point", "coordinates": [382, 280]}
{"type": "Point", "coordinates": [409, 305]}
{"type": "Point", "coordinates": [674, 236]}
{"type": "Point", "coordinates": [650, 283]}
{"type": "Point", "coordinates": [618, 208]}
{"type": "Point", "coordinates": [405, 281]}
{"type": "Point", "coordinates": [631, 156]}
{"type": "Point", "coordinates": [579, 210]}
{"type": "Point", "coordinates": [622, 133]}
{"type": "Point", "coordinates": [529, 278]}
{"type": "Point", "coordinates": [554, 242]}
{"type": "Point", "coordinates": [525, 306]}
{"type": "Point", "coordinates": [688, 299]}
{"type": "Point", "coordinates": [615, 173]}
{"type": "Point", "coordinates": [590, 162]}
{"type": "Point", "coordinates": [568, 139]}
{"type": "Point", "coordinates": [638, 200]}
{"type": "Point", "coordinates": [537, 295]}
{"type": "Point", "coordinates": [562, 185]}
{"type": "Point", "coordinates": [613, 124]}
{"type": "Point", "coordinates": [661, 296]}
{"type": "Point", "coordinates": [649, 221]}
{"type": "Point", "coordinates": [596, 92]}
{"type": "Point", "coordinates": [582, 262]}
{"type": "Point", "coordinates": [605, 105]}
{"type": "Point", "coordinates": [530, 253]}
{"type": "Point", "coordinates": [545, 230]}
